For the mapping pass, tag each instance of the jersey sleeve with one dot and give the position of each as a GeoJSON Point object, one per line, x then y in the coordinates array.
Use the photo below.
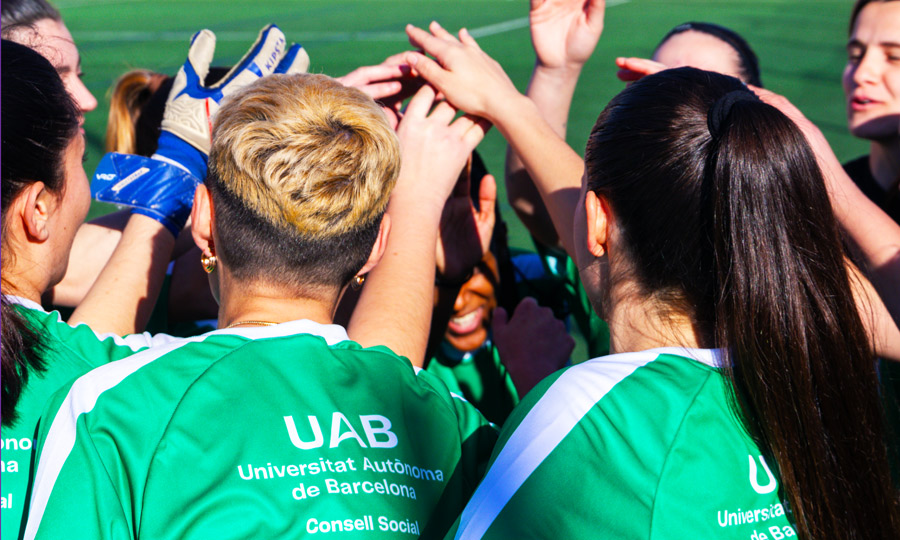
{"type": "Point", "coordinates": [81, 341]}
{"type": "Point", "coordinates": [476, 434]}
{"type": "Point", "coordinates": [96, 442]}
{"type": "Point", "coordinates": [478, 438]}
{"type": "Point", "coordinates": [77, 491]}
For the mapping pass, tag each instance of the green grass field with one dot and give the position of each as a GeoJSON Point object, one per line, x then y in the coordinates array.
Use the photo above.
{"type": "Point", "coordinates": [800, 44]}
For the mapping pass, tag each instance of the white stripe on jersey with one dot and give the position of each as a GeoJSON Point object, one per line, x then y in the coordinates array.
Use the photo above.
{"type": "Point", "coordinates": [81, 398]}
{"type": "Point", "coordinates": [558, 411]}
{"type": "Point", "coordinates": [87, 389]}
{"type": "Point", "coordinates": [135, 342]}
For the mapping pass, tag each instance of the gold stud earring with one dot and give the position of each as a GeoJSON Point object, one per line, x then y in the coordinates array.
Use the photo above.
{"type": "Point", "coordinates": [209, 263]}
{"type": "Point", "coordinates": [357, 282]}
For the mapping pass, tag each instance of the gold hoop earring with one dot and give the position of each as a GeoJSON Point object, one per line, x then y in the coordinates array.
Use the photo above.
{"type": "Point", "coordinates": [209, 263]}
{"type": "Point", "coordinates": [357, 282]}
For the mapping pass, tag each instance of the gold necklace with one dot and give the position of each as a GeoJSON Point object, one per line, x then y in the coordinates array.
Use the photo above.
{"type": "Point", "coordinates": [257, 323]}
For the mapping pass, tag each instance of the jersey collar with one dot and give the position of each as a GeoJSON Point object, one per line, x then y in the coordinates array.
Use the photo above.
{"type": "Point", "coordinates": [331, 333]}
{"type": "Point", "coordinates": [24, 302]}
{"type": "Point", "coordinates": [710, 357]}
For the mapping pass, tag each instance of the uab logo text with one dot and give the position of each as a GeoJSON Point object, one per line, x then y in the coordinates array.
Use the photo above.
{"type": "Point", "coordinates": [375, 427]}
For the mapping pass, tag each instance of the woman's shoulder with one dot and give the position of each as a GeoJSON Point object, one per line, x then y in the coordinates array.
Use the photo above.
{"type": "Point", "coordinates": [610, 422]}
{"type": "Point", "coordinates": [80, 340]}
{"type": "Point", "coordinates": [586, 385]}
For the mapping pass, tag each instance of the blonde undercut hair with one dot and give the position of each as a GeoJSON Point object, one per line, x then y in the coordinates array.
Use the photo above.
{"type": "Point", "coordinates": [306, 154]}
{"type": "Point", "coordinates": [300, 172]}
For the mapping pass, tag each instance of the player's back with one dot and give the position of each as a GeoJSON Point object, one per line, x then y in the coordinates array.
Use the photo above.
{"type": "Point", "coordinates": [283, 431]}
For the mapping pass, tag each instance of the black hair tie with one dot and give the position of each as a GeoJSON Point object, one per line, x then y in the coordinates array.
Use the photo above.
{"type": "Point", "coordinates": [718, 113]}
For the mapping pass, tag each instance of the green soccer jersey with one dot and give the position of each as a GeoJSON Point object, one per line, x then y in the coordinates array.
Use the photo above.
{"type": "Point", "coordinates": [272, 432]}
{"type": "Point", "coordinates": [71, 351]}
{"type": "Point", "coordinates": [629, 446]}
{"type": "Point", "coordinates": [479, 376]}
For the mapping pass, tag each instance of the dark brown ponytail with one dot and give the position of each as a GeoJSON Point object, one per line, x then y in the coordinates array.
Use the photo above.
{"type": "Point", "coordinates": [736, 230]}
{"type": "Point", "coordinates": [22, 348]}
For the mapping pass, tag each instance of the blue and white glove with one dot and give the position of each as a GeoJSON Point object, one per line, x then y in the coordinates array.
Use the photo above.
{"type": "Point", "coordinates": [163, 187]}
{"type": "Point", "coordinates": [191, 105]}
{"type": "Point", "coordinates": [151, 187]}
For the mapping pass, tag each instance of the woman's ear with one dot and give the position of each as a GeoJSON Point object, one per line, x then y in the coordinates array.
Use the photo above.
{"type": "Point", "coordinates": [34, 205]}
{"type": "Point", "coordinates": [202, 221]}
{"type": "Point", "coordinates": [599, 220]}
{"type": "Point", "coordinates": [380, 245]}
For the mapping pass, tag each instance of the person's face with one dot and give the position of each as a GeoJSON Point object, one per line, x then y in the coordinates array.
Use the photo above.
{"type": "Point", "coordinates": [474, 306]}
{"type": "Point", "coordinates": [71, 207]}
{"type": "Point", "coordinates": [701, 51]}
{"type": "Point", "coordinates": [54, 42]}
{"type": "Point", "coordinates": [872, 76]}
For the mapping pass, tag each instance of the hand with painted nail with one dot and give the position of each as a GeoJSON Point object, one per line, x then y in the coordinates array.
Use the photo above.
{"type": "Point", "coordinates": [633, 69]}
{"type": "Point", "coordinates": [469, 78]}
{"type": "Point", "coordinates": [389, 83]}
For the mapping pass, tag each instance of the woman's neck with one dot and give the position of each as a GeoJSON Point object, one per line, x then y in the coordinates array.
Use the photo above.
{"type": "Point", "coordinates": [260, 303]}
{"type": "Point", "coordinates": [24, 278]}
{"type": "Point", "coordinates": [884, 162]}
{"type": "Point", "coordinates": [638, 324]}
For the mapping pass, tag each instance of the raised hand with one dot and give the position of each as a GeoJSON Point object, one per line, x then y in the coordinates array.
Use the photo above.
{"type": "Point", "coordinates": [465, 232]}
{"type": "Point", "coordinates": [435, 147]}
{"type": "Point", "coordinates": [162, 188]}
{"type": "Point", "coordinates": [565, 32]}
{"type": "Point", "coordinates": [192, 104]}
{"type": "Point", "coordinates": [389, 83]}
{"type": "Point", "coordinates": [532, 345]}
{"type": "Point", "coordinates": [396, 304]}
{"type": "Point", "coordinates": [386, 79]}
{"type": "Point", "coordinates": [469, 78]}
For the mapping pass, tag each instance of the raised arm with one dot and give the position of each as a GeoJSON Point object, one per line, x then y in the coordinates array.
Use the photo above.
{"type": "Point", "coordinates": [564, 34]}
{"type": "Point", "coordinates": [121, 299]}
{"type": "Point", "coordinates": [395, 306]}
{"type": "Point", "coordinates": [160, 189]}
{"type": "Point", "coordinates": [475, 83]}
{"type": "Point", "coordinates": [874, 234]}
{"type": "Point", "coordinates": [464, 238]}
{"type": "Point", "coordinates": [94, 244]}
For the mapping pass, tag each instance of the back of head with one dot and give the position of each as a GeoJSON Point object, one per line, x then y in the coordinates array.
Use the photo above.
{"type": "Point", "coordinates": [725, 218]}
{"type": "Point", "coordinates": [136, 107]}
{"type": "Point", "coordinates": [39, 121]}
{"type": "Point", "coordinates": [301, 169]}
{"type": "Point", "coordinates": [749, 64]}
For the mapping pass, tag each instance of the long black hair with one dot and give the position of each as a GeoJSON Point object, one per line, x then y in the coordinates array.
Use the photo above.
{"type": "Point", "coordinates": [39, 122]}
{"type": "Point", "coordinates": [728, 221]}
